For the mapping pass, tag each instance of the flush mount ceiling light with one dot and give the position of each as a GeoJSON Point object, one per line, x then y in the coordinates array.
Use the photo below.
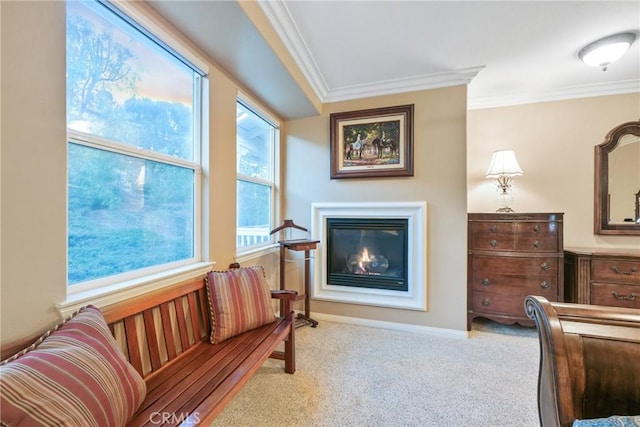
{"type": "Point", "coordinates": [603, 52]}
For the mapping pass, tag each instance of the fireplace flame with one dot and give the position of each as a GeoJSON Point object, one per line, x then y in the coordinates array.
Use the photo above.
{"type": "Point", "coordinates": [365, 255]}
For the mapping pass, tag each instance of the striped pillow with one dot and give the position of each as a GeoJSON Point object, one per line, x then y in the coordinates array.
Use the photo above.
{"type": "Point", "coordinates": [74, 375]}
{"type": "Point", "coordinates": [239, 300]}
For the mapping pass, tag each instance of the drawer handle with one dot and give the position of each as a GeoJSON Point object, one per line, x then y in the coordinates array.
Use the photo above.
{"type": "Point", "coordinates": [618, 296]}
{"type": "Point", "coordinates": [486, 302]}
{"type": "Point", "coordinates": [631, 272]}
{"type": "Point", "coordinates": [536, 228]}
{"type": "Point", "coordinates": [493, 243]}
{"type": "Point", "coordinates": [545, 266]}
{"type": "Point", "coordinates": [493, 228]}
{"type": "Point", "coordinates": [485, 282]}
{"type": "Point", "coordinates": [545, 285]}
{"type": "Point", "coordinates": [537, 244]}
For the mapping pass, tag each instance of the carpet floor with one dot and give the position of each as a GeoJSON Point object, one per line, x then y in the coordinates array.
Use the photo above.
{"type": "Point", "coordinates": [358, 376]}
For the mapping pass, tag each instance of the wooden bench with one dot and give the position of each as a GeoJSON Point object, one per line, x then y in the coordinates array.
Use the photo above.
{"type": "Point", "coordinates": [589, 361]}
{"type": "Point", "coordinates": [165, 336]}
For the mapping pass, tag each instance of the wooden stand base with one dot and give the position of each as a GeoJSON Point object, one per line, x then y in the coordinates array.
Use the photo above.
{"type": "Point", "coordinates": [302, 320]}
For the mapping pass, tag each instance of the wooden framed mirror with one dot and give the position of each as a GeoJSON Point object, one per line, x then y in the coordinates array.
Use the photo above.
{"type": "Point", "coordinates": [617, 181]}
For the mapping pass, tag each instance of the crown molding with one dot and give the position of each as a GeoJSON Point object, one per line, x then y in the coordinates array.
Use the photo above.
{"type": "Point", "coordinates": [408, 84]}
{"type": "Point", "coordinates": [278, 14]}
{"type": "Point", "coordinates": [571, 92]}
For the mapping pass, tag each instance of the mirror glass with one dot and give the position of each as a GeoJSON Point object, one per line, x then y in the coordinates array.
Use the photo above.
{"type": "Point", "coordinates": [624, 180]}
{"type": "Point", "coordinates": [617, 181]}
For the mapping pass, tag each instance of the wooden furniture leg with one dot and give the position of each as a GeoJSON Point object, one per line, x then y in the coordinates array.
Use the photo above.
{"type": "Point", "coordinates": [306, 316]}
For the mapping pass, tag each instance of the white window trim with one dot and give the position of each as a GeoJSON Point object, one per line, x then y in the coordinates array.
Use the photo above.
{"type": "Point", "coordinates": [116, 292]}
{"type": "Point", "coordinates": [247, 253]}
{"type": "Point", "coordinates": [255, 252]}
{"type": "Point", "coordinates": [155, 27]}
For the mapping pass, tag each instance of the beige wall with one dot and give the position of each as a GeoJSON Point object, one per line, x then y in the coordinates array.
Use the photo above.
{"type": "Point", "coordinates": [554, 143]}
{"type": "Point", "coordinates": [439, 178]}
{"type": "Point", "coordinates": [33, 169]}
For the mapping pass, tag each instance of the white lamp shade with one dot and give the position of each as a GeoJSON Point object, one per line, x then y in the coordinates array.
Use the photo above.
{"type": "Point", "coordinates": [503, 162]}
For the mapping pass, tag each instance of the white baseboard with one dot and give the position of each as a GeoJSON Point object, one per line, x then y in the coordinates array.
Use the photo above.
{"type": "Point", "coordinates": [427, 330]}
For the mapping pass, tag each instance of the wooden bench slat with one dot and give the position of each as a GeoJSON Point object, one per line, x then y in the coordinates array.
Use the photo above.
{"type": "Point", "coordinates": [194, 356]}
{"type": "Point", "coordinates": [133, 348]}
{"type": "Point", "coordinates": [204, 311]}
{"type": "Point", "coordinates": [182, 325]}
{"type": "Point", "coordinates": [193, 313]}
{"type": "Point", "coordinates": [152, 339]}
{"type": "Point", "coordinates": [215, 399]}
{"type": "Point", "coordinates": [204, 372]}
{"type": "Point", "coordinates": [167, 329]}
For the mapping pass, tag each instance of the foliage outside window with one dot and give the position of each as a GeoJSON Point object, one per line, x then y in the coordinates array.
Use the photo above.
{"type": "Point", "coordinates": [255, 178]}
{"type": "Point", "coordinates": [133, 110]}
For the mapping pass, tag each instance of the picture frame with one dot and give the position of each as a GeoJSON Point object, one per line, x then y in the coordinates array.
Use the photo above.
{"type": "Point", "coordinates": [377, 142]}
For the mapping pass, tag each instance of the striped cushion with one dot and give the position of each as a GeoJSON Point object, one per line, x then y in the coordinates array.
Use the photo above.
{"type": "Point", "coordinates": [239, 300]}
{"type": "Point", "coordinates": [74, 375]}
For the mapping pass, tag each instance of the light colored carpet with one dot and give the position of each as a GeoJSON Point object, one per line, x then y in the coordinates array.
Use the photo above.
{"type": "Point", "coordinates": [358, 376]}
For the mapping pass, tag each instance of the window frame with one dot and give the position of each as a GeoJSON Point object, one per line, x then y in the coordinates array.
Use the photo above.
{"type": "Point", "coordinates": [159, 275]}
{"type": "Point", "coordinates": [245, 253]}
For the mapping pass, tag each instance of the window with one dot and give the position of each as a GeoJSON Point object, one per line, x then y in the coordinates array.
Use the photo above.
{"type": "Point", "coordinates": [256, 153]}
{"type": "Point", "coordinates": [133, 126]}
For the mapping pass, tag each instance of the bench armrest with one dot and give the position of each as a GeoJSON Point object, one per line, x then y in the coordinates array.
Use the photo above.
{"type": "Point", "coordinates": [285, 295]}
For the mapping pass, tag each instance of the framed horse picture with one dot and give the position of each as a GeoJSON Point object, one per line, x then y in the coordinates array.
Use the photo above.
{"type": "Point", "coordinates": [372, 143]}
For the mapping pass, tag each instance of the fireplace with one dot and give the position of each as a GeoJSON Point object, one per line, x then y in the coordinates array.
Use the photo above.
{"type": "Point", "coordinates": [367, 252]}
{"type": "Point", "coordinates": [371, 253]}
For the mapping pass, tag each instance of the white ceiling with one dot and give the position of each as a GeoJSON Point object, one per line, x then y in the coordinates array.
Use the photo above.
{"type": "Point", "coordinates": [509, 52]}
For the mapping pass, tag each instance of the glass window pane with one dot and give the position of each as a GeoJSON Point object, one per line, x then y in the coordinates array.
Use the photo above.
{"type": "Point", "coordinates": [255, 152]}
{"type": "Point", "coordinates": [123, 86]}
{"type": "Point", "coordinates": [254, 212]}
{"type": "Point", "coordinates": [126, 213]}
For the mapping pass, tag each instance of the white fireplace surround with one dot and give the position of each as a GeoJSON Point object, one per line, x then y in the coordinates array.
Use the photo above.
{"type": "Point", "coordinates": [415, 298]}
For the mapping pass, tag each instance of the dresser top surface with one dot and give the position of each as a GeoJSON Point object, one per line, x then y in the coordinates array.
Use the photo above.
{"type": "Point", "coordinates": [516, 216]}
{"type": "Point", "coordinates": [603, 251]}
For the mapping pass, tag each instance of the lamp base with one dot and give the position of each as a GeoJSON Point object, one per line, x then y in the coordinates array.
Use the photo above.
{"type": "Point", "coordinates": [505, 199]}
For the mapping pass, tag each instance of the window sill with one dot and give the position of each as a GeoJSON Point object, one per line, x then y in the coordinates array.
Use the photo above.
{"type": "Point", "coordinates": [243, 257]}
{"type": "Point", "coordinates": [131, 288]}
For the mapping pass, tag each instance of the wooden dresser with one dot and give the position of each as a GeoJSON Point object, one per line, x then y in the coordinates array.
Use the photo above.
{"type": "Point", "coordinates": [510, 256]}
{"type": "Point", "coordinates": [603, 276]}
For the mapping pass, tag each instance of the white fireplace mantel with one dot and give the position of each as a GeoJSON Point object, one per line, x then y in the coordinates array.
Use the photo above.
{"type": "Point", "coordinates": [415, 298]}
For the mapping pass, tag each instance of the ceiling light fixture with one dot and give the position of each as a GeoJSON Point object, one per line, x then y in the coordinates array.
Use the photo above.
{"type": "Point", "coordinates": [603, 52]}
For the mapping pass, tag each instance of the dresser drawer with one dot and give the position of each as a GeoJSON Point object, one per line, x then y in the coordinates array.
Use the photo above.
{"type": "Point", "coordinates": [507, 285]}
{"type": "Point", "coordinates": [612, 270]}
{"type": "Point", "coordinates": [514, 267]}
{"type": "Point", "coordinates": [615, 294]}
{"type": "Point", "coordinates": [503, 284]}
{"type": "Point", "coordinates": [495, 303]}
{"type": "Point", "coordinates": [498, 236]}
{"type": "Point", "coordinates": [537, 237]}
